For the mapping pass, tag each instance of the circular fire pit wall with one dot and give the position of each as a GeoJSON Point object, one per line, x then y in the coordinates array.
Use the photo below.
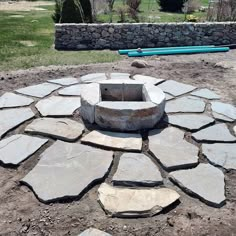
{"type": "Point", "coordinates": [124, 105]}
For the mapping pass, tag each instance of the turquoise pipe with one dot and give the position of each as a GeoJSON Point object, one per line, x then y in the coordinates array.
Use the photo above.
{"type": "Point", "coordinates": [178, 51]}
{"type": "Point", "coordinates": [126, 51]}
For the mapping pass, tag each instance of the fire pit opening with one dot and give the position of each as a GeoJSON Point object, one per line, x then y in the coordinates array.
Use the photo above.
{"type": "Point", "coordinates": [122, 92]}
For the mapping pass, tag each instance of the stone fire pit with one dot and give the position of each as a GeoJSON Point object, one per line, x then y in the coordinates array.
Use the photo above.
{"type": "Point", "coordinates": [122, 104]}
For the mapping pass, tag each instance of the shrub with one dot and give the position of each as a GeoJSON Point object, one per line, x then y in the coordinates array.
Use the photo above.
{"type": "Point", "coordinates": [171, 5]}
{"type": "Point", "coordinates": [56, 16]}
{"type": "Point", "coordinates": [122, 11]}
{"type": "Point", "coordinates": [87, 10]}
{"type": "Point", "coordinates": [133, 8]}
{"type": "Point", "coordinates": [191, 6]}
{"type": "Point", "coordinates": [192, 18]}
{"type": "Point", "coordinates": [71, 12]}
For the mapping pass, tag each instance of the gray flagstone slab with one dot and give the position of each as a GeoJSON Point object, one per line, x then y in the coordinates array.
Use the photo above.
{"type": "Point", "coordinates": [61, 128]}
{"type": "Point", "coordinates": [137, 169]}
{"type": "Point", "coordinates": [215, 133]}
{"type": "Point", "coordinates": [93, 232]}
{"type": "Point", "coordinates": [205, 182]}
{"type": "Point", "coordinates": [190, 121]}
{"type": "Point", "coordinates": [206, 93]}
{"type": "Point", "coordinates": [11, 100]}
{"type": "Point", "coordinates": [120, 76]}
{"type": "Point", "coordinates": [221, 154]}
{"type": "Point", "coordinates": [67, 170]}
{"type": "Point", "coordinates": [147, 79]}
{"type": "Point", "coordinates": [74, 90]}
{"type": "Point", "coordinates": [127, 202]}
{"type": "Point", "coordinates": [11, 118]}
{"type": "Point", "coordinates": [17, 148]}
{"type": "Point", "coordinates": [122, 141]}
{"type": "Point", "coordinates": [65, 81]}
{"type": "Point", "coordinates": [40, 90]}
{"type": "Point", "coordinates": [227, 110]}
{"type": "Point", "coordinates": [170, 148]}
{"type": "Point", "coordinates": [176, 88]}
{"type": "Point", "coordinates": [169, 97]}
{"type": "Point", "coordinates": [220, 117]}
{"type": "Point", "coordinates": [93, 78]}
{"type": "Point", "coordinates": [187, 104]}
{"type": "Point", "coordinates": [58, 106]}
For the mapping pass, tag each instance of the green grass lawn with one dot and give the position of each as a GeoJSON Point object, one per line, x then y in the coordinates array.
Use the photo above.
{"type": "Point", "coordinates": [28, 42]}
{"type": "Point", "coordinates": [150, 12]}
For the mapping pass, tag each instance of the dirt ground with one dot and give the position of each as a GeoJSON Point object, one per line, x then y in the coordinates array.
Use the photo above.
{"type": "Point", "coordinates": [23, 5]}
{"type": "Point", "coordinates": [22, 214]}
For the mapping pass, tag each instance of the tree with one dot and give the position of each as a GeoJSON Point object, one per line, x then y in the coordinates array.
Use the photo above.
{"type": "Point", "coordinates": [72, 12]}
{"type": "Point", "coordinates": [171, 5]}
{"type": "Point", "coordinates": [56, 16]}
{"type": "Point", "coordinates": [87, 10]}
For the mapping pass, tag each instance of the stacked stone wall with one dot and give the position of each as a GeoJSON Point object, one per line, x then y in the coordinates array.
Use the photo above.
{"type": "Point", "coordinates": [120, 36]}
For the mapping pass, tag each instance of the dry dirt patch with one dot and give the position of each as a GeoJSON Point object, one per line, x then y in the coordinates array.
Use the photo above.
{"type": "Point", "coordinates": [24, 6]}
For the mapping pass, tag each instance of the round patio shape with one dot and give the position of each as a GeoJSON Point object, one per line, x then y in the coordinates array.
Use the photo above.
{"type": "Point", "coordinates": [125, 105]}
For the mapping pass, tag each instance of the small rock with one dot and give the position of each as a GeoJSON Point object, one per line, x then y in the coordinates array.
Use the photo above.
{"type": "Point", "coordinates": [139, 63]}
{"type": "Point", "coordinates": [170, 221]}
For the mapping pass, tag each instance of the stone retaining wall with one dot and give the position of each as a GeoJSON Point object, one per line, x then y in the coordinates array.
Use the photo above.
{"type": "Point", "coordinates": [120, 36]}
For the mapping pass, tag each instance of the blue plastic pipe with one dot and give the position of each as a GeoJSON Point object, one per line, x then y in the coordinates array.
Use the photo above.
{"type": "Point", "coordinates": [178, 51]}
{"type": "Point", "coordinates": [126, 51]}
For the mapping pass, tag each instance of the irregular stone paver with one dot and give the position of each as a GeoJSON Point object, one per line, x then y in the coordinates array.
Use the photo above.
{"type": "Point", "coordinates": [93, 232]}
{"type": "Point", "coordinates": [170, 148]}
{"type": "Point", "coordinates": [40, 90]}
{"type": "Point", "coordinates": [205, 181]}
{"type": "Point", "coordinates": [65, 81]}
{"type": "Point", "coordinates": [185, 104]}
{"type": "Point", "coordinates": [17, 148]}
{"type": "Point", "coordinates": [147, 79]}
{"type": "Point", "coordinates": [74, 90]}
{"type": "Point", "coordinates": [9, 100]}
{"type": "Point", "coordinates": [227, 110]}
{"type": "Point", "coordinates": [93, 78]}
{"type": "Point", "coordinates": [215, 133]}
{"type": "Point", "coordinates": [11, 118]}
{"type": "Point", "coordinates": [137, 169]}
{"type": "Point", "coordinates": [169, 97]}
{"type": "Point", "coordinates": [58, 106]}
{"type": "Point", "coordinates": [206, 93]}
{"type": "Point", "coordinates": [175, 88]}
{"type": "Point", "coordinates": [221, 154]}
{"type": "Point", "coordinates": [126, 202]}
{"type": "Point", "coordinates": [61, 128]}
{"type": "Point", "coordinates": [220, 117]}
{"type": "Point", "coordinates": [120, 76]}
{"type": "Point", "coordinates": [66, 170]}
{"type": "Point", "coordinates": [190, 122]}
{"type": "Point", "coordinates": [123, 141]}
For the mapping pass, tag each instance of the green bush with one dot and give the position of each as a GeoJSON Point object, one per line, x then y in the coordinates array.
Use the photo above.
{"type": "Point", "coordinates": [87, 9]}
{"type": "Point", "coordinates": [71, 12]}
{"type": "Point", "coordinates": [171, 5]}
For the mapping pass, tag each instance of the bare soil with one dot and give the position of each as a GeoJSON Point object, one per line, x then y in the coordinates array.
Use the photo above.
{"type": "Point", "coordinates": [24, 5]}
{"type": "Point", "coordinates": [22, 214]}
